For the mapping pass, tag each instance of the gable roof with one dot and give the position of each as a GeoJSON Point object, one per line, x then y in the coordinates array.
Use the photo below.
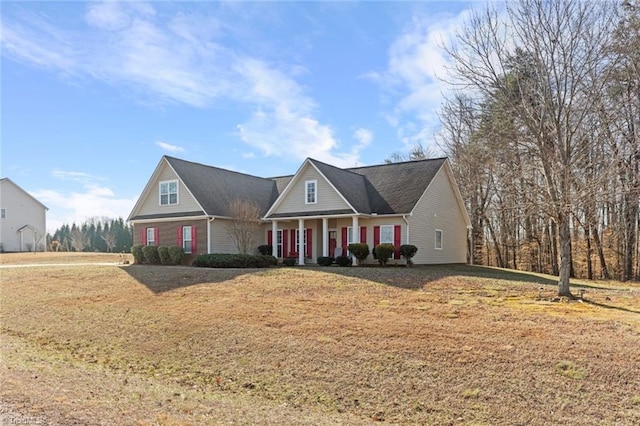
{"type": "Point", "coordinates": [214, 188]}
{"type": "Point", "coordinates": [393, 188]}
{"type": "Point", "coordinates": [5, 179]}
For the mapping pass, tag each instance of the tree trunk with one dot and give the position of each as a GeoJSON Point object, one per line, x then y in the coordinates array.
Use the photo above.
{"type": "Point", "coordinates": [564, 235]}
{"type": "Point", "coordinates": [587, 236]}
{"type": "Point", "coordinates": [553, 242]}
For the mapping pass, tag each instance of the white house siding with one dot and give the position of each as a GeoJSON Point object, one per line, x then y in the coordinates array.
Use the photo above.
{"type": "Point", "coordinates": [221, 242]}
{"type": "Point", "coordinates": [151, 202]}
{"type": "Point", "coordinates": [327, 197]}
{"type": "Point", "coordinates": [438, 208]}
{"type": "Point", "coordinates": [21, 209]}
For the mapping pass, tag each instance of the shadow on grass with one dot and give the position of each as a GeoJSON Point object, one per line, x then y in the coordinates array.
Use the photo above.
{"type": "Point", "coordinates": [617, 308]}
{"type": "Point", "coordinates": [160, 279]}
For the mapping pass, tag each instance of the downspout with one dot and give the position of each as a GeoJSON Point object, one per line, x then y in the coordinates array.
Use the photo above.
{"type": "Point", "coordinates": [209, 234]}
{"type": "Point", "coordinates": [404, 216]}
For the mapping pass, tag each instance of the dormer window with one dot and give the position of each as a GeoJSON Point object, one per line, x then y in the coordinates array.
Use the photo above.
{"type": "Point", "coordinates": [168, 192]}
{"type": "Point", "coordinates": [310, 192]}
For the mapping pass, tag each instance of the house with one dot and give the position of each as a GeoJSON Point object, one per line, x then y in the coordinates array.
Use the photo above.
{"type": "Point", "coordinates": [318, 211]}
{"type": "Point", "coordinates": [23, 219]}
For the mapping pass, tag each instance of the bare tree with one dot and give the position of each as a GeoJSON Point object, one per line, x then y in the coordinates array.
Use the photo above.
{"type": "Point", "coordinates": [538, 61]}
{"type": "Point", "coordinates": [78, 239]}
{"type": "Point", "coordinates": [244, 224]}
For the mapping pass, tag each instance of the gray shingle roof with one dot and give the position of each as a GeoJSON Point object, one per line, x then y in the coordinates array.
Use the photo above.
{"type": "Point", "coordinates": [215, 188]}
{"type": "Point", "coordinates": [383, 189]}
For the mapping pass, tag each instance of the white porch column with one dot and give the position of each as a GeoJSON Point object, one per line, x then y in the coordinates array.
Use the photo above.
{"type": "Point", "coordinates": [356, 231]}
{"type": "Point", "coordinates": [325, 236]}
{"type": "Point", "coordinates": [274, 238]}
{"type": "Point", "coordinates": [301, 242]}
{"type": "Point", "coordinates": [355, 235]}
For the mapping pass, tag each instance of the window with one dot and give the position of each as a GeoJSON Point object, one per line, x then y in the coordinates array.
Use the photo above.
{"type": "Point", "coordinates": [3, 213]}
{"type": "Point", "coordinates": [438, 245]}
{"type": "Point", "coordinates": [168, 192]}
{"type": "Point", "coordinates": [386, 234]}
{"type": "Point", "coordinates": [151, 236]}
{"type": "Point", "coordinates": [186, 239]}
{"type": "Point", "coordinates": [310, 195]}
{"type": "Point", "coordinates": [304, 242]}
{"type": "Point", "coordinates": [279, 243]}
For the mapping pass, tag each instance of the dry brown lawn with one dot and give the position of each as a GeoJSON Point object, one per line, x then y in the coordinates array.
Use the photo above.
{"type": "Point", "coordinates": [144, 345]}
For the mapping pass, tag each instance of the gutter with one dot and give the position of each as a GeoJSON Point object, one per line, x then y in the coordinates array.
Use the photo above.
{"type": "Point", "coordinates": [404, 216]}
{"type": "Point", "coordinates": [211, 219]}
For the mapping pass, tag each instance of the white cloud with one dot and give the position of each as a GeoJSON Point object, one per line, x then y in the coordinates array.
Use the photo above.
{"type": "Point", "coordinates": [363, 136]}
{"type": "Point", "coordinates": [183, 57]}
{"type": "Point", "coordinates": [168, 147]}
{"type": "Point", "coordinates": [417, 63]}
{"type": "Point", "coordinates": [91, 198]}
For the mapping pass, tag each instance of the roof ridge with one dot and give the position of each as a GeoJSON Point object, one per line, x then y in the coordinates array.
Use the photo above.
{"type": "Point", "coordinates": [215, 167]}
{"type": "Point", "coordinates": [398, 163]}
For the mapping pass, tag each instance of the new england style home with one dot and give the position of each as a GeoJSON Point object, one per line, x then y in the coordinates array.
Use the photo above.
{"type": "Point", "coordinates": [318, 211]}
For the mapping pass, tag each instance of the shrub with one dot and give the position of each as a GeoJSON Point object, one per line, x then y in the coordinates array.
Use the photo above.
{"type": "Point", "coordinates": [136, 251]}
{"type": "Point", "coordinates": [176, 254]}
{"type": "Point", "coordinates": [163, 253]}
{"type": "Point", "coordinates": [344, 261]}
{"type": "Point", "coordinates": [151, 255]}
{"type": "Point", "coordinates": [225, 260]}
{"type": "Point", "coordinates": [408, 251]}
{"type": "Point", "coordinates": [289, 261]}
{"type": "Point", "coordinates": [265, 250]}
{"type": "Point", "coordinates": [326, 260]}
{"type": "Point", "coordinates": [359, 250]}
{"type": "Point", "coordinates": [271, 260]}
{"type": "Point", "coordinates": [384, 252]}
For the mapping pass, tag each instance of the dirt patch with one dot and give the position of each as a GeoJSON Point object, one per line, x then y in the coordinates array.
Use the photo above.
{"type": "Point", "coordinates": [440, 345]}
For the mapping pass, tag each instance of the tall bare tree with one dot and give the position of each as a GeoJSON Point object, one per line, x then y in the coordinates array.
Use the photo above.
{"type": "Point", "coordinates": [244, 225]}
{"type": "Point", "coordinates": [539, 60]}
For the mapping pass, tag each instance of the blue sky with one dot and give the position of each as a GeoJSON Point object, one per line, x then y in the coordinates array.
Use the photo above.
{"type": "Point", "coordinates": [93, 94]}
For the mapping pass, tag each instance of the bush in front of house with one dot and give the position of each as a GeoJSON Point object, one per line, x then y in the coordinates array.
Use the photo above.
{"type": "Point", "coordinates": [325, 260]}
{"type": "Point", "coordinates": [151, 255]}
{"type": "Point", "coordinates": [384, 252]}
{"type": "Point", "coordinates": [138, 256]}
{"type": "Point", "coordinates": [408, 251]}
{"type": "Point", "coordinates": [289, 261]}
{"type": "Point", "coordinates": [344, 261]}
{"type": "Point", "coordinates": [176, 254]}
{"type": "Point", "coordinates": [227, 260]}
{"type": "Point", "coordinates": [163, 253]}
{"type": "Point", "coordinates": [271, 260]}
{"type": "Point", "coordinates": [265, 250]}
{"type": "Point", "coordinates": [359, 250]}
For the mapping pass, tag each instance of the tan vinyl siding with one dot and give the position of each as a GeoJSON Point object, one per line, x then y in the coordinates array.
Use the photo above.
{"type": "Point", "coordinates": [151, 203]}
{"type": "Point", "coordinates": [327, 197]}
{"type": "Point", "coordinates": [438, 209]}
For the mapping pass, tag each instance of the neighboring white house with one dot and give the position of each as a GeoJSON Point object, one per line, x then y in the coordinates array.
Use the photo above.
{"type": "Point", "coordinates": [23, 219]}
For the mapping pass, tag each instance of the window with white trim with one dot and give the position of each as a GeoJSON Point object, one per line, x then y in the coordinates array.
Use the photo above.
{"type": "Point", "coordinates": [3, 213]}
{"type": "Point", "coordinates": [151, 236]}
{"type": "Point", "coordinates": [168, 192]}
{"type": "Point", "coordinates": [186, 239]}
{"type": "Point", "coordinates": [310, 192]}
{"type": "Point", "coordinates": [304, 241]}
{"type": "Point", "coordinates": [279, 243]}
{"type": "Point", "coordinates": [438, 242]}
{"type": "Point", "coordinates": [386, 234]}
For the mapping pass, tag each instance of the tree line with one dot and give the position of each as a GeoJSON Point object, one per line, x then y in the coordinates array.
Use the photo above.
{"type": "Point", "coordinates": [95, 235]}
{"type": "Point", "coordinates": [543, 132]}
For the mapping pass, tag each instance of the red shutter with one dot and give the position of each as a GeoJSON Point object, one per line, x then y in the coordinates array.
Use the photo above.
{"type": "Point", "coordinates": [294, 246]}
{"type": "Point", "coordinates": [285, 248]}
{"type": "Point", "coordinates": [363, 234]}
{"type": "Point", "coordinates": [269, 238]}
{"type": "Point", "coordinates": [376, 236]}
{"type": "Point", "coordinates": [193, 239]}
{"type": "Point", "coordinates": [143, 237]}
{"type": "Point", "coordinates": [179, 237]}
{"type": "Point", "coordinates": [345, 244]}
{"type": "Point", "coordinates": [397, 231]}
{"type": "Point", "coordinates": [156, 236]}
{"type": "Point", "coordinates": [309, 243]}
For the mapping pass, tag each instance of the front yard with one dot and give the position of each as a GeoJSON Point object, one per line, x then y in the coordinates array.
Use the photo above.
{"type": "Point", "coordinates": [136, 344]}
